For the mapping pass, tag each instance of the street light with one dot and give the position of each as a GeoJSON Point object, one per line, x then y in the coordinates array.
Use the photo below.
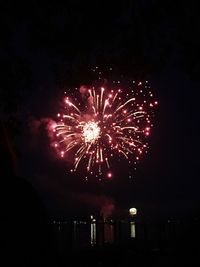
{"type": "Point", "coordinates": [132, 213]}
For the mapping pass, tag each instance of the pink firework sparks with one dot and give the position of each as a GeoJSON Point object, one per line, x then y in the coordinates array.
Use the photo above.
{"type": "Point", "coordinates": [114, 125]}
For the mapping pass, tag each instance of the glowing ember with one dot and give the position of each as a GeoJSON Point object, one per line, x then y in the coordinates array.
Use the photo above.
{"type": "Point", "coordinates": [109, 175]}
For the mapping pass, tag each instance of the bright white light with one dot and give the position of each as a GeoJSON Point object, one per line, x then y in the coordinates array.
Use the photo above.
{"type": "Point", "coordinates": [132, 211]}
{"type": "Point", "coordinates": [91, 132]}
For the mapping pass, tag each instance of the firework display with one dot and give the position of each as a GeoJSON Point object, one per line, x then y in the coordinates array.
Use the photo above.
{"type": "Point", "coordinates": [111, 121]}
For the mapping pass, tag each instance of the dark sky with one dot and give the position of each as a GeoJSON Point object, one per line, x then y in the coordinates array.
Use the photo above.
{"type": "Point", "coordinates": [45, 48]}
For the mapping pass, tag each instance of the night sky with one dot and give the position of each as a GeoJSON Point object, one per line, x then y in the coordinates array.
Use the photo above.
{"type": "Point", "coordinates": [45, 48]}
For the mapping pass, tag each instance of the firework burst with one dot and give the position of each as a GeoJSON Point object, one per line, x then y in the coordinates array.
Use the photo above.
{"type": "Point", "coordinates": [114, 124]}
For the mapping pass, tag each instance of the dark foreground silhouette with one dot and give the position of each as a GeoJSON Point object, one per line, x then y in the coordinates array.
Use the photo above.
{"type": "Point", "coordinates": [25, 233]}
